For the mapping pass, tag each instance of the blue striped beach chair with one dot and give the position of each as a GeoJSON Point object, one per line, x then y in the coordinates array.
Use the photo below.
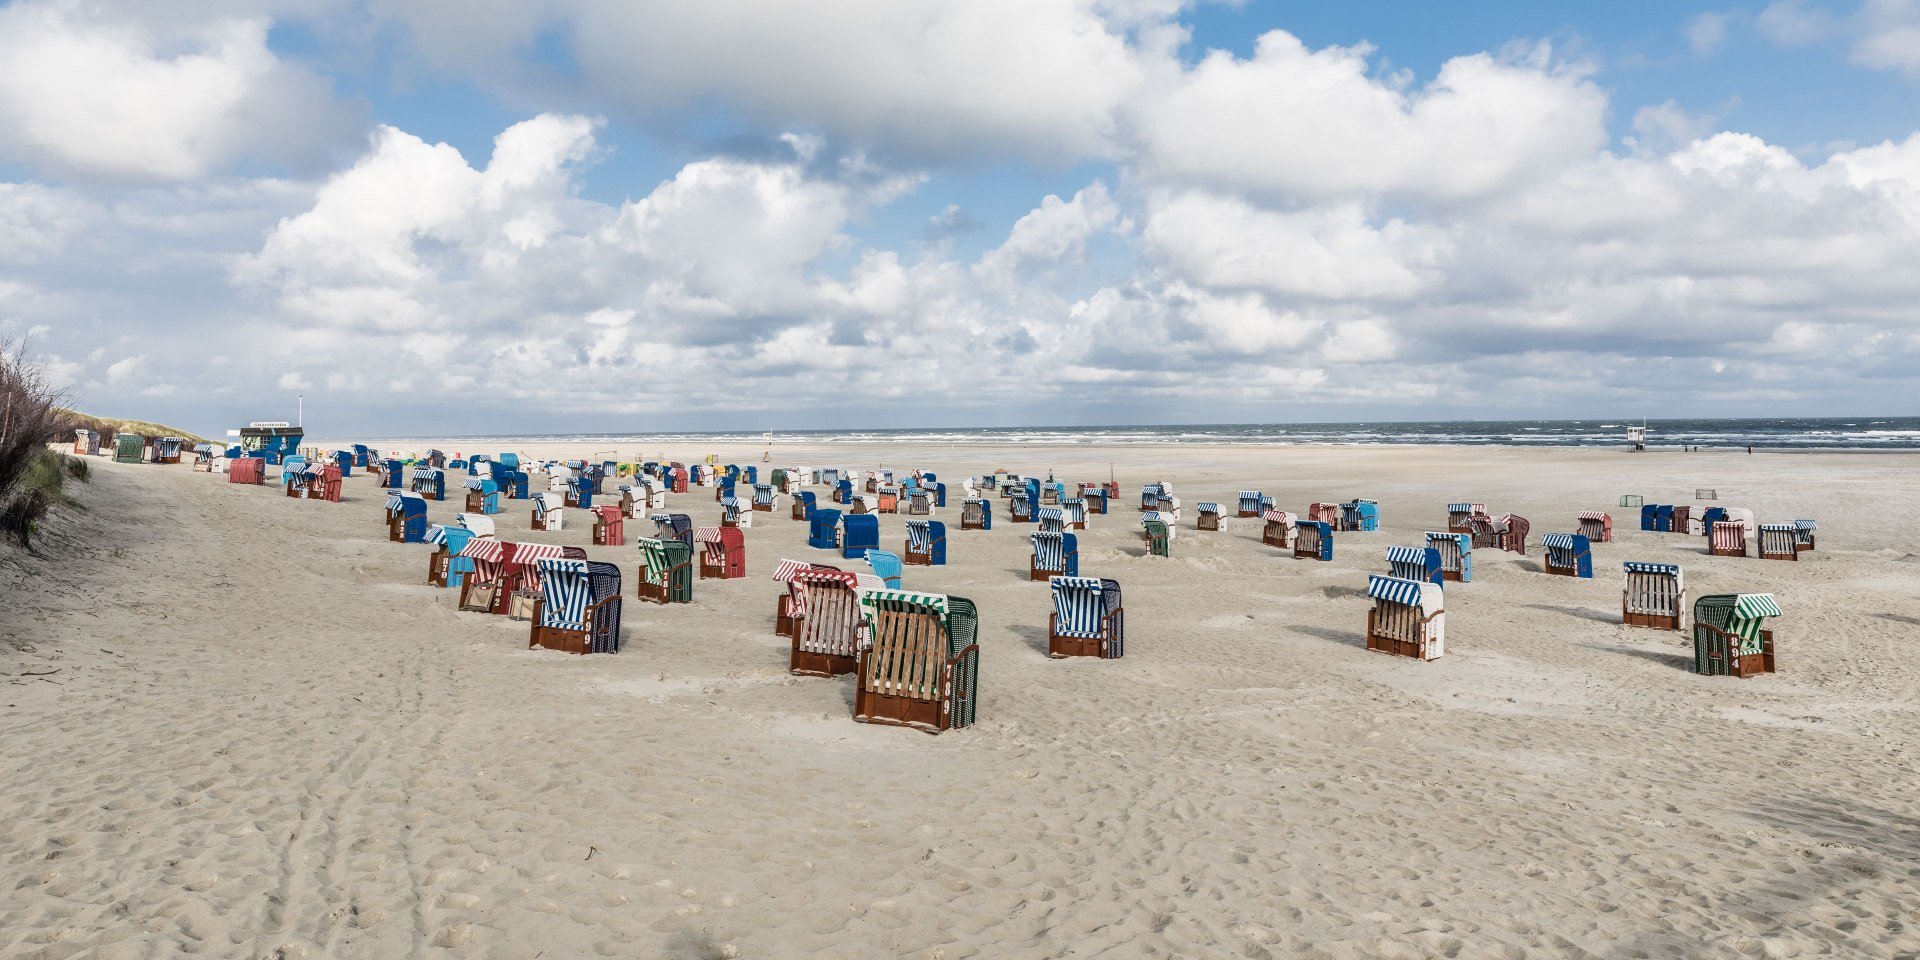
{"type": "Point", "coordinates": [1729, 639]}
{"type": "Point", "coordinates": [1207, 515]}
{"type": "Point", "coordinates": [1456, 554]}
{"type": "Point", "coordinates": [926, 543]}
{"type": "Point", "coordinates": [1568, 555]}
{"type": "Point", "coordinates": [919, 502]}
{"type": "Point", "coordinates": [731, 514]}
{"type": "Point", "coordinates": [803, 502]}
{"type": "Point", "coordinates": [1051, 519]}
{"type": "Point", "coordinates": [1653, 595]}
{"type": "Point", "coordinates": [976, 513]}
{"type": "Point", "coordinates": [483, 496]}
{"type": "Point", "coordinates": [578, 610]}
{"type": "Point", "coordinates": [1151, 495]}
{"type": "Point", "coordinates": [1360, 516]}
{"type": "Point", "coordinates": [1020, 507]}
{"type": "Point", "coordinates": [763, 498]}
{"type": "Point", "coordinates": [580, 491]}
{"type": "Point", "coordinates": [1095, 494]}
{"type": "Point", "coordinates": [1460, 516]}
{"type": "Point", "coordinates": [1088, 619]}
{"type": "Point", "coordinates": [1416, 563]}
{"type": "Point", "coordinates": [1252, 504]}
{"type": "Point", "coordinates": [1408, 618]}
{"type": "Point", "coordinates": [920, 666]}
{"type": "Point", "coordinates": [394, 475]}
{"type": "Point", "coordinates": [406, 517]}
{"type": "Point", "coordinates": [1054, 555]}
{"type": "Point", "coordinates": [430, 482]}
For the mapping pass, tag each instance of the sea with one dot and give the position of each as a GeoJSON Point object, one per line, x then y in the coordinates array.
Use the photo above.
{"type": "Point", "coordinates": [1791, 433]}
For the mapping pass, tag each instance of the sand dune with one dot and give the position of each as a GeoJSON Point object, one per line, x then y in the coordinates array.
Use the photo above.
{"type": "Point", "coordinates": [267, 737]}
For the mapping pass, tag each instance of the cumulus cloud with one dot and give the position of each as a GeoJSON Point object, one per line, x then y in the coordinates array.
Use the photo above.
{"type": "Point", "coordinates": [1706, 32]}
{"type": "Point", "coordinates": [103, 97]}
{"type": "Point", "coordinates": [1053, 234]}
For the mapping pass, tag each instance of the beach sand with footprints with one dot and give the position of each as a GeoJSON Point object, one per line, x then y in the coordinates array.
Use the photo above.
{"type": "Point", "coordinates": [239, 725]}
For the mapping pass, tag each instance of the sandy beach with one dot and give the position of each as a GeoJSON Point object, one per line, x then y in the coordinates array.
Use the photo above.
{"type": "Point", "coordinates": [239, 725]}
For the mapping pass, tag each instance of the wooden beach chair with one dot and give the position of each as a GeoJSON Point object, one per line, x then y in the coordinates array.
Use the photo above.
{"type": "Point", "coordinates": [544, 514]}
{"type": "Point", "coordinates": [976, 513]}
{"type": "Point", "coordinates": [445, 566]}
{"type": "Point", "coordinates": [1805, 534]}
{"type": "Point", "coordinates": [1568, 555]}
{"type": "Point", "coordinates": [1158, 534]}
{"type": "Point", "coordinates": [823, 531]}
{"type": "Point", "coordinates": [1456, 554]}
{"type": "Point", "coordinates": [1075, 509]}
{"type": "Point", "coordinates": [1652, 595]}
{"type": "Point", "coordinates": [1596, 526]}
{"type": "Point", "coordinates": [673, 526]}
{"type": "Point", "coordinates": [723, 553]}
{"type": "Point", "coordinates": [578, 610]}
{"type": "Point", "coordinates": [481, 589]}
{"type": "Point", "coordinates": [1252, 504]}
{"type": "Point", "coordinates": [825, 621]}
{"type": "Point", "coordinates": [1088, 619]}
{"type": "Point", "coordinates": [1728, 635]}
{"type": "Point", "coordinates": [1510, 533]}
{"type": "Point", "coordinates": [920, 666]}
{"type": "Point", "coordinates": [666, 571]}
{"type": "Point", "coordinates": [1313, 540]}
{"type": "Point", "coordinates": [609, 526]}
{"type": "Point", "coordinates": [1360, 516]}
{"type": "Point", "coordinates": [885, 567]}
{"type": "Point", "coordinates": [1206, 515]}
{"type": "Point", "coordinates": [926, 543]}
{"type": "Point", "coordinates": [1278, 529]}
{"type": "Point", "coordinates": [1408, 618]}
{"type": "Point", "coordinates": [1728, 539]}
{"type": "Point", "coordinates": [1055, 554]}
{"type": "Point", "coordinates": [247, 470]}
{"type": "Point", "coordinates": [1460, 516]}
{"type": "Point", "coordinates": [785, 613]}
{"type": "Point", "coordinates": [1416, 563]}
{"type": "Point", "coordinates": [1020, 507]}
{"type": "Point", "coordinates": [483, 496]}
{"type": "Point", "coordinates": [1050, 519]}
{"type": "Point", "coordinates": [803, 501]}
{"type": "Point", "coordinates": [1778, 541]}
{"type": "Point", "coordinates": [430, 482]}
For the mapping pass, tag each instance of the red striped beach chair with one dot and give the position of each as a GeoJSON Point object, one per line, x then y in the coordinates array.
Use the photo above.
{"type": "Point", "coordinates": [609, 527]}
{"type": "Point", "coordinates": [1728, 539]}
{"type": "Point", "coordinates": [1278, 531]}
{"type": "Point", "coordinates": [1596, 526]}
{"type": "Point", "coordinates": [784, 612]}
{"type": "Point", "coordinates": [826, 620]}
{"type": "Point", "coordinates": [723, 553]}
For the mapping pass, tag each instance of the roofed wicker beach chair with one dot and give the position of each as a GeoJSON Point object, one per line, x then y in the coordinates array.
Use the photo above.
{"type": "Point", "coordinates": [1456, 554]}
{"type": "Point", "coordinates": [1327, 513]}
{"type": "Point", "coordinates": [920, 666]}
{"type": "Point", "coordinates": [723, 553]}
{"type": "Point", "coordinates": [1596, 526]}
{"type": "Point", "coordinates": [1206, 515]}
{"type": "Point", "coordinates": [545, 513]}
{"type": "Point", "coordinates": [203, 456]}
{"type": "Point", "coordinates": [247, 470]}
{"type": "Point", "coordinates": [481, 588]}
{"type": "Point", "coordinates": [1055, 554]}
{"type": "Point", "coordinates": [1727, 539]}
{"type": "Point", "coordinates": [609, 527]}
{"type": "Point", "coordinates": [733, 513]}
{"type": "Point", "coordinates": [1088, 619]}
{"type": "Point", "coordinates": [784, 613]}
{"type": "Point", "coordinates": [1096, 496]}
{"type": "Point", "coordinates": [1277, 528]}
{"type": "Point", "coordinates": [1360, 516]}
{"type": "Point", "coordinates": [824, 529]}
{"type": "Point", "coordinates": [167, 449]}
{"type": "Point", "coordinates": [1460, 516]}
{"type": "Point", "coordinates": [926, 543]}
{"type": "Point", "coordinates": [1158, 534]}
{"type": "Point", "coordinates": [763, 498]}
{"type": "Point", "coordinates": [1051, 519]}
{"type": "Point", "coordinates": [580, 491]}
{"type": "Point", "coordinates": [324, 483]}
{"type": "Point", "coordinates": [803, 504]}
{"type": "Point", "coordinates": [673, 526]}
{"type": "Point", "coordinates": [483, 496]}
{"type": "Point", "coordinates": [578, 610]}
{"type": "Point", "coordinates": [1778, 541]}
{"type": "Point", "coordinates": [430, 482]}
{"type": "Point", "coordinates": [1074, 509]}
{"type": "Point", "coordinates": [86, 443]}
{"type": "Point", "coordinates": [1510, 533]}
{"type": "Point", "coordinates": [1568, 555]}
{"type": "Point", "coordinates": [294, 477]}
{"type": "Point", "coordinates": [1252, 503]}
{"type": "Point", "coordinates": [1408, 618]}
{"type": "Point", "coordinates": [445, 566]}
{"type": "Point", "coordinates": [1020, 507]}
{"type": "Point", "coordinates": [887, 569]}
{"type": "Point", "coordinates": [1313, 540]}
{"type": "Point", "coordinates": [406, 517]}
{"type": "Point", "coordinates": [723, 488]}
{"type": "Point", "coordinates": [1416, 563]}
{"type": "Point", "coordinates": [1151, 493]}
{"type": "Point", "coordinates": [520, 580]}
{"type": "Point", "coordinates": [666, 571]}
{"type": "Point", "coordinates": [1804, 534]}
{"type": "Point", "coordinates": [392, 473]}
{"type": "Point", "coordinates": [976, 513]}
{"type": "Point", "coordinates": [858, 534]}
{"type": "Point", "coordinates": [824, 620]}
{"type": "Point", "coordinates": [1728, 635]}
{"type": "Point", "coordinates": [1653, 595]}
{"type": "Point", "coordinates": [342, 459]}
{"type": "Point", "coordinates": [919, 502]}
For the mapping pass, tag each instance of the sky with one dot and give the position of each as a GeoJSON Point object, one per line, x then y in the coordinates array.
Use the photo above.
{"type": "Point", "coordinates": [466, 217]}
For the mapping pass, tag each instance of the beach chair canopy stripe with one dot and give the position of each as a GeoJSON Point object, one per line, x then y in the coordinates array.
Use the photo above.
{"type": "Point", "coordinates": [1557, 541]}
{"type": "Point", "coordinates": [1412, 593]}
{"type": "Point", "coordinates": [1206, 506]}
{"type": "Point", "coordinates": [1407, 555]}
{"type": "Point", "coordinates": [1780, 527]}
{"type": "Point", "coordinates": [1081, 605]}
{"type": "Point", "coordinates": [785, 572]}
{"type": "Point", "coordinates": [1461, 507]}
{"type": "Point", "coordinates": [568, 592]}
{"type": "Point", "coordinates": [1740, 614]}
{"type": "Point", "coordinates": [1463, 541]}
{"type": "Point", "coordinates": [1805, 524]}
{"type": "Point", "coordinates": [706, 535]}
{"type": "Point", "coordinates": [1640, 566]}
{"type": "Point", "coordinates": [484, 549]}
{"type": "Point", "coordinates": [1049, 550]}
{"type": "Point", "coordinates": [920, 535]}
{"type": "Point", "coordinates": [436, 534]}
{"type": "Point", "coordinates": [655, 563]}
{"type": "Point", "coordinates": [1594, 515]}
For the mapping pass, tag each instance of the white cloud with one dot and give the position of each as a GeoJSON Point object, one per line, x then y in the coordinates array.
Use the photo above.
{"type": "Point", "coordinates": [1329, 252]}
{"type": "Point", "coordinates": [1292, 121]}
{"type": "Point", "coordinates": [100, 97]}
{"type": "Point", "coordinates": [1889, 37]}
{"type": "Point", "coordinates": [1053, 234]}
{"type": "Point", "coordinates": [1706, 32]}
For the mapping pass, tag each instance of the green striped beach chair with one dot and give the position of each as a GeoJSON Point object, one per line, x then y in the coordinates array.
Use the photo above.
{"type": "Point", "coordinates": [1728, 639]}
{"type": "Point", "coordinates": [919, 664]}
{"type": "Point", "coordinates": [666, 571]}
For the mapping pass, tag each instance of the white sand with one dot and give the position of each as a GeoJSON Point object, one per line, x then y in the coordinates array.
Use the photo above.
{"type": "Point", "coordinates": [266, 737]}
